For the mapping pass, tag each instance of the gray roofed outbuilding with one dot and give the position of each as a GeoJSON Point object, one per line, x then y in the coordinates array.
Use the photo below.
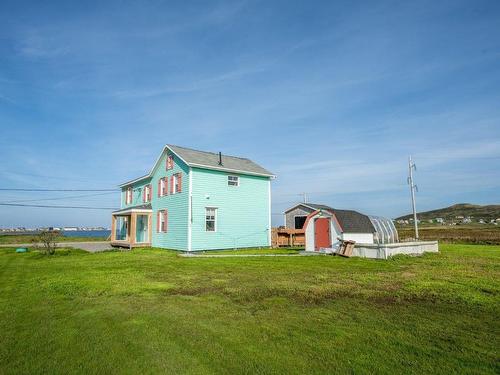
{"type": "Point", "coordinates": [350, 221]}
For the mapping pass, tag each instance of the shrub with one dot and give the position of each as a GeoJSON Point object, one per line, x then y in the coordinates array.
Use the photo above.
{"type": "Point", "coordinates": [48, 241]}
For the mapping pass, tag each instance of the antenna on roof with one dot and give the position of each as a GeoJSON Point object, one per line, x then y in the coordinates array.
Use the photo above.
{"type": "Point", "coordinates": [412, 167]}
{"type": "Point", "coordinates": [304, 194]}
{"type": "Point", "coordinates": [220, 158]}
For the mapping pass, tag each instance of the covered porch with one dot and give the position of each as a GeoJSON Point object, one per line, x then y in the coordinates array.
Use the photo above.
{"type": "Point", "coordinates": [131, 227]}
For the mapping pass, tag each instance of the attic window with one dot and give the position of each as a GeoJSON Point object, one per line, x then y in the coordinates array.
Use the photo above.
{"type": "Point", "coordinates": [233, 181]}
{"type": "Point", "coordinates": [170, 162]}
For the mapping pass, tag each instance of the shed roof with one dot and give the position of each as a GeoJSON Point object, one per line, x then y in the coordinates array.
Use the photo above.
{"type": "Point", "coordinates": [351, 221]}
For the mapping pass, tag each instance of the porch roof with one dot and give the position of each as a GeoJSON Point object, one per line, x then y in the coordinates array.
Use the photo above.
{"type": "Point", "coordinates": [141, 208]}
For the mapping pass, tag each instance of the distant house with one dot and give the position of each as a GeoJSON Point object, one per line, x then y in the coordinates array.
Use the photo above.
{"type": "Point", "coordinates": [439, 220]}
{"type": "Point", "coordinates": [194, 200]}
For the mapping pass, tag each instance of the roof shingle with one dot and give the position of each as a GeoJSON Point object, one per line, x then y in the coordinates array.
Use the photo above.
{"type": "Point", "coordinates": [211, 160]}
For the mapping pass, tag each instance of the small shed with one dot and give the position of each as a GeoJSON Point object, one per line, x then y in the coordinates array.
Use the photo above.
{"type": "Point", "coordinates": [325, 228]}
{"type": "Point", "coordinates": [295, 217]}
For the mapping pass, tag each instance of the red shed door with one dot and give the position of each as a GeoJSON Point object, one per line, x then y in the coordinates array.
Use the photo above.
{"type": "Point", "coordinates": [322, 233]}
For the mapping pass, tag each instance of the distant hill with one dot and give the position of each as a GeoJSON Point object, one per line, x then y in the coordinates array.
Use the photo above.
{"type": "Point", "coordinates": [461, 209]}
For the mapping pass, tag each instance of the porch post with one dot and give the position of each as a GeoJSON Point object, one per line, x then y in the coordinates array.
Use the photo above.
{"type": "Point", "coordinates": [150, 229]}
{"type": "Point", "coordinates": [113, 228]}
{"type": "Point", "coordinates": [133, 223]}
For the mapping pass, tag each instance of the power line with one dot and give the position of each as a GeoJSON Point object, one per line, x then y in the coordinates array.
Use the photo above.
{"type": "Point", "coordinates": [48, 206]}
{"type": "Point", "coordinates": [59, 198]}
{"type": "Point", "coordinates": [7, 189]}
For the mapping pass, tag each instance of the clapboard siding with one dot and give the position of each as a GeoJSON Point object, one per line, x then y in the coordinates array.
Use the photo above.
{"type": "Point", "coordinates": [137, 191]}
{"type": "Point", "coordinates": [176, 236]}
{"type": "Point", "coordinates": [242, 211]}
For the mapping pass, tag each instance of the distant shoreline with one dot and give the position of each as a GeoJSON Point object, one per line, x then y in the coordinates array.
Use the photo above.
{"type": "Point", "coordinates": [72, 233]}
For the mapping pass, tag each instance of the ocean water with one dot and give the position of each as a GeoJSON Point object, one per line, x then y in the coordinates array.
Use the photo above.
{"type": "Point", "coordinates": [87, 233]}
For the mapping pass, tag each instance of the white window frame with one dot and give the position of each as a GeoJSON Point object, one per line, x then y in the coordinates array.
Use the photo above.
{"type": "Point", "coordinates": [128, 196]}
{"type": "Point", "coordinates": [170, 162]}
{"type": "Point", "coordinates": [214, 219]}
{"type": "Point", "coordinates": [234, 179]}
{"type": "Point", "coordinates": [163, 189]}
{"type": "Point", "coordinates": [176, 183]}
{"type": "Point", "coordinates": [147, 193]}
{"type": "Point", "coordinates": [161, 218]}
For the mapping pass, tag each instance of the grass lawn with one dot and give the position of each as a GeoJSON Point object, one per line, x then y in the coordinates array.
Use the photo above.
{"type": "Point", "coordinates": [151, 311]}
{"type": "Point", "coordinates": [282, 250]}
{"type": "Point", "coordinates": [481, 234]}
{"type": "Point", "coordinates": [27, 238]}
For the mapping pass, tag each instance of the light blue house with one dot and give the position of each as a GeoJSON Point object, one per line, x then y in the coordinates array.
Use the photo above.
{"type": "Point", "coordinates": [193, 200]}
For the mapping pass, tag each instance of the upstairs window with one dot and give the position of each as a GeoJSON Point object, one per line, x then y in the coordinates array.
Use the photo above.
{"type": "Point", "coordinates": [233, 181]}
{"type": "Point", "coordinates": [146, 197]}
{"type": "Point", "coordinates": [170, 162]}
{"type": "Point", "coordinates": [211, 219]}
{"type": "Point", "coordinates": [177, 182]}
{"type": "Point", "coordinates": [128, 196]}
{"type": "Point", "coordinates": [162, 187]}
{"type": "Point", "coordinates": [162, 221]}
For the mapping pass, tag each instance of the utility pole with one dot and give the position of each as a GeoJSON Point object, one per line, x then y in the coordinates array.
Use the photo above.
{"type": "Point", "coordinates": [412, 167]}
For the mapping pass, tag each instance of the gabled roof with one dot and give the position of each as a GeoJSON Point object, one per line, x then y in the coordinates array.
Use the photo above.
{"type": "Point", "coordinates": [350, 221]}
{"type": "Point", "coordinates": [311, 206]}
{"type": "Point", "coordinates": [209, 160]}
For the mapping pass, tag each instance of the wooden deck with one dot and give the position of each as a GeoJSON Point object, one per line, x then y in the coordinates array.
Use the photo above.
{"type": "Point", "coordinates": [281, 237]}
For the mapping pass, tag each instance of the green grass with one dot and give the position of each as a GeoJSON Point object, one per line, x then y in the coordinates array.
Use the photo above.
{"type": "Point", "coordinates": [480, 234]}
{"type": "Point", "coordinates": [27, 238]}
{"type": "Point", "coordinates": [151, 311]}
{"type": "Point", "coordinates": [283, 250]}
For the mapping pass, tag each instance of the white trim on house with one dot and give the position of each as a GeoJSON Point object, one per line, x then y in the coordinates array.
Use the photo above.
{"type": "Point", "coordinates": [140, 210]}
{"type": "Point", "coordinates": [190, 209]}
{"type": "Point", "coordinates": [134, 181]}
{"type": "Point", "coordinates": [231, 170]}
{"type": "Point", "coordinates": [269, 221]}
{"type": "Point", "coordinates": [151, 172]}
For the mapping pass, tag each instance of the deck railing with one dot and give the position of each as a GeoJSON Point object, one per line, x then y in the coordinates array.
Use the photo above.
{"type": "Point", "coordinates": [281, 237]}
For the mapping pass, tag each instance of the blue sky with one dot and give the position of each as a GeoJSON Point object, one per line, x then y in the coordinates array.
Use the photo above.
{"type": "Point", "coordinates": [331, 96]}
